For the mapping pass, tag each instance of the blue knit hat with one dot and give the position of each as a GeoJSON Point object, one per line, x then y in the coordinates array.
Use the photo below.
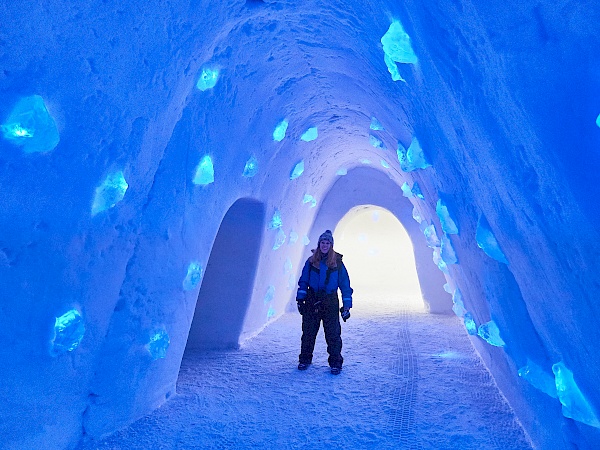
{"type": "Point", "coordinates": [327, 236]}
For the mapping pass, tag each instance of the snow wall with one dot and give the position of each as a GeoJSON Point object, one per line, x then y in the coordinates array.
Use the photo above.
{"type": "Point", "coordinates": [130, 129]}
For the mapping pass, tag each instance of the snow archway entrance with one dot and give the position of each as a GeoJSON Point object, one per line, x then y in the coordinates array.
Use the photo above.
{"type": "Point", "coordinates": [227, 284]}
{"type": "Point", "coordinates": [380, 259]}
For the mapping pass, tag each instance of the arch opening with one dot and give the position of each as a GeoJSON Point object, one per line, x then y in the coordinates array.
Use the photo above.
{"type": "Point", "coordinates": [380, 258]}
{"type": "Point", "coordinates": [228, 281]}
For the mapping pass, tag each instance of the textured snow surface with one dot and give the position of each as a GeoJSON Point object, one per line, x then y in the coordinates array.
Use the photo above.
{"type": "Point", "coordinates": [410, 381]}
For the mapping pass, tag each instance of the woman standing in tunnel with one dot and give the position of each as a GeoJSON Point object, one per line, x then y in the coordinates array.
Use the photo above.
{"type": "Point", "coordinates": [317, 298]}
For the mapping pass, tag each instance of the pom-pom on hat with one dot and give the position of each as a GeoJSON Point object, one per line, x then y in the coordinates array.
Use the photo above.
{"type": "Point", "coordinates": [327, 236]}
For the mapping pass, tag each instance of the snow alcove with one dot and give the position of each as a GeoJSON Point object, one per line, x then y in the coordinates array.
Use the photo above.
{"type": "Point", "coordinates": [167, 168]}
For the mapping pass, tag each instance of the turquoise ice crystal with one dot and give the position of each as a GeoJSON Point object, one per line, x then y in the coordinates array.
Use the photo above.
{"type": "Point", "coordinates": [193, 276]}
{"type": "Point", "coordinates": [279, 239]}
{"type": "Point", "coordinates": [251, 167]}
{"type": "Point", "coordinates": [470, 324]}
{"type": "Point", "coordinates": [280, 130]}
{"type": "Point", "coordinates": [538, 378]}
{"type": "Point", "coordinates": [158, 344]}
{"type": "Point", "coordinates": [205, 171]}
{"type": "Point", "coordinates": [575, 405]}
{"type": "Point", "coordinates": [487, 241]}
{"type": "Point", "coordinates": [375, 142]}
{"type": "Point", "coordinates": [375, 125]}
{"type": "Point", "coordinates": [446, 218]}
{"type": "Point", "coordinates": [269, 295]}
{"type": "Point", "coordinates": [110, 192]}
{"type": "Point", "coordinates": [207, 79]}
{"type": "Point", "coordinates": [397, 49]}
{"type": "Point", "coordinates": [298, 170]}
{"type": "Point", "coordinates": [68, 332]}
{"type": "Point", "coordinates": [276, 221]}
{"type": "Point", "coordinates": [413, 157]}
{"type": "Point", "coordinates": [30, 125]}
{"type": "Point", "coordinates": [310, 135]}
{"type": "Point", "coordinates": [490, 333]}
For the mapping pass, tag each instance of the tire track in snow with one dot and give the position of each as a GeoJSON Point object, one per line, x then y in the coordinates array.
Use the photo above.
{"type": "Point", "coordinates": [402, 417]}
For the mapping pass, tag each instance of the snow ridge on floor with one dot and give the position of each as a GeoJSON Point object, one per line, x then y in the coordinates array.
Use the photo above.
{"type": "Point", "coordinates": [410, 380]}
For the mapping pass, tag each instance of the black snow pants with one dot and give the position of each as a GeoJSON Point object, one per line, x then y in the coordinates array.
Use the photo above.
{"type": "Point", "coordinates": [329, 313]}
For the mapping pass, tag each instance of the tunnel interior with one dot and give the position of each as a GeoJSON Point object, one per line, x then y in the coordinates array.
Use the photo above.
{"type": "Point", "coordinates": [143, 149]}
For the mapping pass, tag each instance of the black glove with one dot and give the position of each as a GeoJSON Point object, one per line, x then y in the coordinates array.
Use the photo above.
{"type": "Point", "coordinates": [345, 313]}
{"type": "Point", "coordinates": [301, 306]}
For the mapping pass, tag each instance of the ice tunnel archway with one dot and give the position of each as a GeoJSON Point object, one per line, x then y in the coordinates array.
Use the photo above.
{"type": "Point", "coordinates": [378, 249]}
{"type": "Point", "coordinates": [226, 288]}
{"type": "Point", "coordinates": [368, 186]}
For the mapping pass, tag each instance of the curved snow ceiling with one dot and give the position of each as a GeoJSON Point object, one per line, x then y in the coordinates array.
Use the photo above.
{"type": "Point", "coordinates": [129, 130]}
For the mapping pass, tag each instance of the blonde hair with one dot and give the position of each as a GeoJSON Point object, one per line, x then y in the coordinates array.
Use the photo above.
{"type": "Point", "coordinates": [331, 262]}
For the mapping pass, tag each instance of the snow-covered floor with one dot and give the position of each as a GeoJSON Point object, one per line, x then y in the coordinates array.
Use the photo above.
{"type": "Point", "coordinates": [410, 381]}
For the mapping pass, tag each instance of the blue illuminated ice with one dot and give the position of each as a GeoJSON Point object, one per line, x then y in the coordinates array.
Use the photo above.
{"type": "Point", "coordinates": [406, 191]}
{"type": "Point", "coordinates": [310, 135]}
{"type": "Point", "coordinates": [279, 239]}
{"type": "Point", "coordinates": [207, 79]}
{"type": "Point", "coordinates": [487, 241]}
{"type": "Point", "coordinates": [397, 49]}
{"type": "Point", "coordinates": [393, 68]}
{"type": "Point", "coordinates": [271, 312]}
{"type": "Point", "coordinates": [538, 378]}
{"type": "Point", "coordinates": [416, 190]}
{"type": "Point", "coordinates": [158, 344]}
{"type": "Point", "coordinates": [293, 237]}
{"type": "Point", "coordinates": [412, 158]}
{"type": "Point", "coordinates": [431, 236]}
{"type": "Point", "coordinates": [416, 215]}
{"type": "Point", "coordinates": [458, 305]}
{"type": "Point", "coordinates": [276, 221]}
{"type": "Point", "coordinates": [68, 332]}
{"type": "Point", "coordinates": [205, 172]}
{"type": "Point", "coordinates": [384, 164]}
{"type": "Point", "coordinates": [251, 167]}
{"type": "Point", "coordinates": [438, 261]}
{"type": "Point", "coordinates": [30, 125]}
{"type": "Point", "coordinates": [377, 143]}
{"type": "Point", "coordinates": [280, 130]}
{"type": "Point", "coordinates": [298, 170]}
{"type": "Point", "coordinates": [598, 120]}
{"type": "Point", "coordinates": [490, 333]}
{"type": "Point", "coordinates": [365, 161]}
{"type": "Point", "coordinates": [287, 267]}
{"type": "Point", "coordinates": [305, 240]}
{"type": "Point", "coordinates": [270, 294]}
{"type": "Point", "coordinates": [448, 255]}
{"type": "Point", "coordinates": [470, 324]}
{"type": "Point", "coordinates": [575, 405]}
{"type": "Point", "coordinates": [193, 276]}
{"type": "Point", "coordinates": [375, 124]}
{"type": "Point", "coordinates": [110, 192]}
{"type": "Point", "coordinates": [342, 171]}
{"type": "Point", "coordinates": [446, 220]}
{"type": "Point", "coordinates": [309, 199]}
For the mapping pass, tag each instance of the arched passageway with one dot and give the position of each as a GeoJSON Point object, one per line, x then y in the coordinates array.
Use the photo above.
{"type": "Point", "coordinates": [379, 253]}
{"type": "Point", "coordinates": [227, 285]}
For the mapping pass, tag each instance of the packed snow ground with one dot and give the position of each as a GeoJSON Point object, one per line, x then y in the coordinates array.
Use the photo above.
{"type": "Point", "coordinates": [410, 380]}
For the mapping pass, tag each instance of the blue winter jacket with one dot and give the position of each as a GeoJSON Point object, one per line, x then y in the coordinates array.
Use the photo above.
{"type": "Point", "coordinates": [315, 278]}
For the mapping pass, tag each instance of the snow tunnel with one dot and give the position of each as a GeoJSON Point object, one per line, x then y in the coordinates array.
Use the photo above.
{"type": "Point", "coordinates": [145, 152]}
